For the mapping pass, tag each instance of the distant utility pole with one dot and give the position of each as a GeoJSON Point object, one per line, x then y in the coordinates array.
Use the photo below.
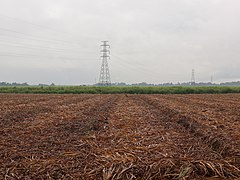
{"type": "Point", "coordinates": [193, 78]}
{"type": "Point", "coordinates": [104, 79]}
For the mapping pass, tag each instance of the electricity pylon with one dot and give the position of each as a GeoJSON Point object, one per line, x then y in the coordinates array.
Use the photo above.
{"type": "Point", "coordinates": [193, 78]}
{"type": "Point", "coordinates": [104, 78]}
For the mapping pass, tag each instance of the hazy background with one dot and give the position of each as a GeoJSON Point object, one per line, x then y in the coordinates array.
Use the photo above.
{"type": "Point", "coordinates": [154, 41]}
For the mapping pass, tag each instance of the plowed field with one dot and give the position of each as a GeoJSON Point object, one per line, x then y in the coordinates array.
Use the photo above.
{"type": "Point", "coordinates": [119, 136]}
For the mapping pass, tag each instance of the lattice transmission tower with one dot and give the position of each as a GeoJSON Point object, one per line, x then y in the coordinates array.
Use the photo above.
{"type": "Point", "coordinates": [212, 79]}
{"type": "Point", "coordinates": [104, 78]}
{"type": "Point", "coordinates": [193, 78]}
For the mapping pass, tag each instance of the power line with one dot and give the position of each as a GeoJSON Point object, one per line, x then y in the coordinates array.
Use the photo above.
{"type": "Point", "coordinates": [33, 24]}
{"type": "Point", "coordinates": [34, 46]}
{"type": "Point", "coordinates": [41, 56]}
{"type": "Point", "coordinates": [135, 67]}
{"type": "Point", "coordinates": [34, 36]}
{"type": "Point", "coordinates": [31, 39]}
{"type": "Point", "coordinates": [31, 45]}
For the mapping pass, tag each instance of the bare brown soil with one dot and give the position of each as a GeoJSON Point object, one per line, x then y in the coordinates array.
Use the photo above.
{"type": "Point", "coordinates": [119, 136]}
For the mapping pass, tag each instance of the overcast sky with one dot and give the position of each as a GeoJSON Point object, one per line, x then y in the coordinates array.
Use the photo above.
{"type": "Point", "coordinates": [154, 41]}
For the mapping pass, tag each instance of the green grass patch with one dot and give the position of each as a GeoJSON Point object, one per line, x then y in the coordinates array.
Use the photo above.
{"type": "Point", "coordinates": [119, 90]}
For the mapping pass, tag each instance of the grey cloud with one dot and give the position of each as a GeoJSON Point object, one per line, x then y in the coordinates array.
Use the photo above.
{"type": "Point", "coordinates": [154, 41]}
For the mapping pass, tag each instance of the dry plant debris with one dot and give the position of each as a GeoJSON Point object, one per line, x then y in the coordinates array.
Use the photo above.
{"type": "Point", "coordinates": [119, 136]}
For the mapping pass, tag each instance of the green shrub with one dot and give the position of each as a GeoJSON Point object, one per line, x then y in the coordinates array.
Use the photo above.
{"type": "Point", "coordinates": [119, 90]}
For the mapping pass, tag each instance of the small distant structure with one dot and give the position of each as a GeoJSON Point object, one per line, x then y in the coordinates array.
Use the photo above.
{"type": "Point", "coordinates": [193, 82]}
